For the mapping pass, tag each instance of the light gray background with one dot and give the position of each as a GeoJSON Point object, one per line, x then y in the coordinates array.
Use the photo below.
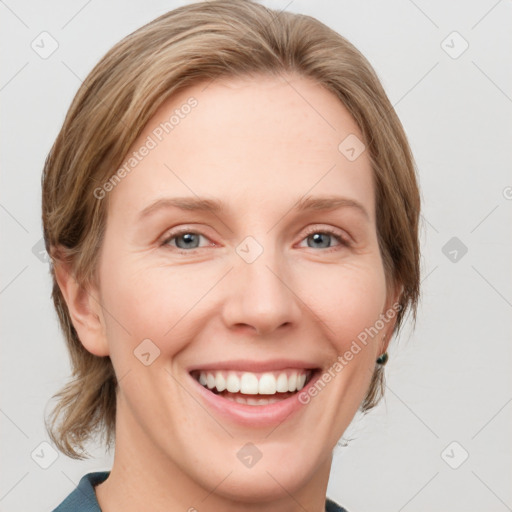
{"type": "Point", "coordinates": [449, 380]}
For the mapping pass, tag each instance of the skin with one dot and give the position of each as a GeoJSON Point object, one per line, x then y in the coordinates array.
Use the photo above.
{"type": "Point", "coordinates": [258, 146]}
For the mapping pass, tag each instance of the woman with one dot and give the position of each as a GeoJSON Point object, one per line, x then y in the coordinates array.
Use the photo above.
{"type": "Point", "coordinates": [231, 209]}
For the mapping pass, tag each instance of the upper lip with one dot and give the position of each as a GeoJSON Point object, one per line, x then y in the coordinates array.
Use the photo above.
{"type": "Point", "coordinates": [255, 366]}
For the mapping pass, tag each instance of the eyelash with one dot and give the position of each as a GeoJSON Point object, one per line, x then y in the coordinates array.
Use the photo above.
{"type": "Point", "coordinates": [343, 242]}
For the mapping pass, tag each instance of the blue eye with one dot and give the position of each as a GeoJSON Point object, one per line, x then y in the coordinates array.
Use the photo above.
{"type": "Point", "coordinates": [321, 239]}
{"type": "Point", "coordinates": [187, 241]}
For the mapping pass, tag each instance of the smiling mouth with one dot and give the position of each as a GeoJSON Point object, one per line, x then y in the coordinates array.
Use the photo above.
{"type": "Point", "coordinates": [255, 389]}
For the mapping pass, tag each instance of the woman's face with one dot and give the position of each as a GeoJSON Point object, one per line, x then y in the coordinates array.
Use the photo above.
{"type": "Point", "coordinates": [269, 282]}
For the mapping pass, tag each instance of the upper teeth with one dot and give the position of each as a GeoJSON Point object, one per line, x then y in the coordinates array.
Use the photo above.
{"type": "Point", "coordinates": [249, 383]}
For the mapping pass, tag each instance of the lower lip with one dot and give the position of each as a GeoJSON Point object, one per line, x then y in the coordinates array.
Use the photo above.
{"type": "Point", "coordinates": [254, 415]}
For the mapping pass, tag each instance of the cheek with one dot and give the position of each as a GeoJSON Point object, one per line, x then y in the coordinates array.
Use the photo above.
{"type": "Point", "coordinates": [154, 302]}
{"type": "Point", "coordinates": [346, 298]}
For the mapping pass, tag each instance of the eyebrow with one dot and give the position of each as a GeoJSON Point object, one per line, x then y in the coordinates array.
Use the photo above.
{"type": "Point", "coordinates": [320, 203]}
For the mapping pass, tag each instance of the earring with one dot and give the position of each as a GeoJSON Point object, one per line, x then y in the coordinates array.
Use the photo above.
{"type": "Point", "coordinates": [383, 359]}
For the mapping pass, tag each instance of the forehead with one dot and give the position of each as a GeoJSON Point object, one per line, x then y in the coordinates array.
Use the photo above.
{"type": "Point", "coordinates": [255, 140]}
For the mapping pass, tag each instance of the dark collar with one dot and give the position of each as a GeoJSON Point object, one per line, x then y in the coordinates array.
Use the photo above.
{"type": "Point", "coordinates": [83, 498]}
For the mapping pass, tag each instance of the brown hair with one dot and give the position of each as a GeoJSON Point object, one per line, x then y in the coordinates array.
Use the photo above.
{"type": "Point", "coordinates": [193, 43]}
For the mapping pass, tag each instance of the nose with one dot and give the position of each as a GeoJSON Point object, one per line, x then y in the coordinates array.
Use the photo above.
{"type": "Point", "coordinates": [260, 296]}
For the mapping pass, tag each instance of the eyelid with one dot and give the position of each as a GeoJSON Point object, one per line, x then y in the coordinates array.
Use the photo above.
{"type": "Point", "coordinates": [343, 238]}
{"type": "Point", "coordinates": [175, 233]}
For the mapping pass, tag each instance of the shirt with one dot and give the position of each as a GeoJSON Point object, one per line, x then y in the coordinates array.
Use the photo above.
{"type": "Point", "coordinates": [83, 498]}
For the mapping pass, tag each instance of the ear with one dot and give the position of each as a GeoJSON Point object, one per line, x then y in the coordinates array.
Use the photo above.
{"type": "Point", "coordinates": [391, 312]}
{"type": "Point", "coordinates": [84, 308]}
